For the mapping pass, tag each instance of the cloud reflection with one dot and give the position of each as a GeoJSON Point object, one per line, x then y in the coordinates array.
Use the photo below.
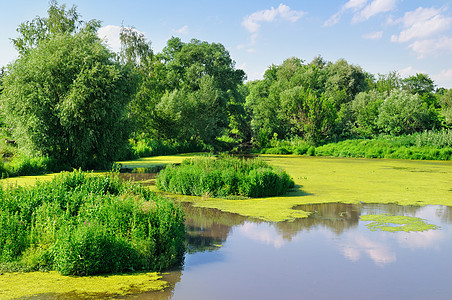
{"type": "Point", "coordinates": [425, 239]}
{"type": "Point", "coordinates": [355, 247]}
{"type": "Point", "coordinates": [264, 234]}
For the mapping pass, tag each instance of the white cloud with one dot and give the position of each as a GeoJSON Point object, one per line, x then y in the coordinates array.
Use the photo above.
{"type": "Point", "coordinates": [284, 12]}
{"type": "Point", "coordinates": [351, 4]}
{"type": "Point", "coordinates": [432, 47]}
{"type": "Point", "coordinates": [261, 234]}
{"type": "Point", "coordinates": [409, 71]}
{"type": "Point", "coordinates": [373, 35]}
{"type": "Point", "coordinates": [427, 239]}
{"type": "Point", "coordinates": [355, 4]}
{"type": "Point", "coordinates": [444, 78]}
{"type": "Point", "coordinates": [110, 35]}
{"type": "Point", "coordinates": [374, 8]}
{"type": "Point", "coordinates": [445, 74]}
{"type": "Point", "coordinates": [252, 23]}
{"type": "Point", "coordinates": [361, 10]}
{"type": "Point", "coordinates": [422, 23]}
{"type": "Point", "coordinates": [183, 30]}
{"type": "Point", "coordinates": [354, 246]}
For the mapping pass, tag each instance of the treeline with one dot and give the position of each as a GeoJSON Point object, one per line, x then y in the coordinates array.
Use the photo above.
{"type": "Point", "coordinates": [323, 102]}
{"type": "Point", "coordinates": [70, 99]}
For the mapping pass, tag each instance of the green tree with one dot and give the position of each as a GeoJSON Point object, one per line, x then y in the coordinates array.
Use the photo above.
{"type": "Point", "coordinates": [422, 85]}
{"type": "Point", "coordinates": [67, 99]}
{"type": "Point", "coordinates": [194, 87]}
{"type": "Point", "coordinates": [59, 21]}
{"type": "Point", "coordinates": [445, 102]}
{"type": "Point", "coordinates": [404, 113]}
{"type": "Point", "coordinates": [389, 82]}
{"type": "Point", "coordinates": [365, 108]}
{"type": "Point", "coordinates": [311, 117]}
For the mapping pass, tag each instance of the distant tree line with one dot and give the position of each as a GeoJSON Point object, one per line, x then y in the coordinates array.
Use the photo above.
{"type": "Point", "coordinates": [69, 97]}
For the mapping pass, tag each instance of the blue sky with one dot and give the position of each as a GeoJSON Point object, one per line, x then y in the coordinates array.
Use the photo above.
{"type": "Point", "coordinates": [381, 36]}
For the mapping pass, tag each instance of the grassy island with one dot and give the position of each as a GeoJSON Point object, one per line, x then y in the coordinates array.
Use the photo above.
{"type": "Point", "coordinates": [82, 224]}
{"type": "Point", "coordinates": [224, 177]}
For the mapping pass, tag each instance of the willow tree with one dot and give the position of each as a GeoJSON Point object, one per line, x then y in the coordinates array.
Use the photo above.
{"type": "Point", "coordinates": [65, 97]}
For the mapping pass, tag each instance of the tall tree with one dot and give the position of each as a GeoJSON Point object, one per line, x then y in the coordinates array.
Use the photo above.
{"type": "Point", "coordinates": [422, 85]}
{"type": "Point", "coordinates": [191, 75]}
{"type": "Point", "coordinates": [59, 21]}
{"type": "Point", "coordinates": [66, 98]}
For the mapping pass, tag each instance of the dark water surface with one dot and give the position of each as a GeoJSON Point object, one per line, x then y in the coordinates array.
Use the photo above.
{"type": "Point", "coordinates": [332, 255]}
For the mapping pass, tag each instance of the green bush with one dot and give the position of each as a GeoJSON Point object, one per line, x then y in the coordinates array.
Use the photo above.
{"type": "Point", "coordinates": [82, 224]}
{"type": "Point", "coordinates": [149, 147]}
{"type": "Point", "coordinates": [206, 176]}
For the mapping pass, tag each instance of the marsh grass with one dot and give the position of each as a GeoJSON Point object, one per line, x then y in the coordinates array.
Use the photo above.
{"type": "Point", "coordinates": [83, 224]}
{"type": "Point", "coordinates": [223, 177]}
{"type": "Point", "coordinates": [149, 147]}
{"type": "Point", "coordinates": [428, 145]}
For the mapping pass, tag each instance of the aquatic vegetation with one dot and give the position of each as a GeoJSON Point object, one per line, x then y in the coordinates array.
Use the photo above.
{"type": "Point", "coordinates": [80, 224]}
{"type": "Point", "coordinates": [390, 223]}
{"type": "Point", "coordinates": [223, 177]}
{"type": "Point", "coordinates": [345, 180]}
{"type": "Point", "coordinates": [73, 287]}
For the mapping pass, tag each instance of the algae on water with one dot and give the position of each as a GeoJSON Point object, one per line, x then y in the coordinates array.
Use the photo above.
{"type": "Point", "coordinates": [390, 223]}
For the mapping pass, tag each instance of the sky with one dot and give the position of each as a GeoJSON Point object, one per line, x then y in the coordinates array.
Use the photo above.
{"type": "Point", "coordinates": [380, 36]}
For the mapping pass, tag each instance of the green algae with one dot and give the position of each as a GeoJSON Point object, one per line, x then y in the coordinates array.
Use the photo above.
{"type": "Point", "coordinates": [21, 285]}
{"type": "Point", "coordinates": [345, 180]}
{"type": "Point", "coordinates": [390, 223]}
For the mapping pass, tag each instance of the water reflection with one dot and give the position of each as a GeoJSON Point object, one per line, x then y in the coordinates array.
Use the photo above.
{"type": "Point", "coordinates": [331, 254]}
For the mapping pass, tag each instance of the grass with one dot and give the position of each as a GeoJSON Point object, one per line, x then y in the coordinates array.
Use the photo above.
{"type": "Point", "coordinates": [223, 177]}
{"type": "Point", "coordinates": [82, 224]}
{"type": "Point", "coordinates": [148, 147]}
{"type": "Point", "coordinates": [428, 145]}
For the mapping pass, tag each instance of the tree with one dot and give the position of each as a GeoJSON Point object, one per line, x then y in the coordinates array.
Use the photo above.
{"type": "Point", "coordinates": [311, 117]}
{"type": "Point", "coordinates": [389, 82]}
{"type": "Point", "coordinates": [192, 86]}
{"type": "Point", "coordinates": [2, 74]}
{"type": "Point", "coordinates": [445, 101]}
{"type": "Point", "coordinates": [404, 113]}
{"type": "Point", "coordinates": [59, 21]}
{"type": "Point", "coordinates": [422, 85]}
{"type": "Point", "coordinates": [67, 99]}
{"type": "Point", "coordinates": [365, 108]}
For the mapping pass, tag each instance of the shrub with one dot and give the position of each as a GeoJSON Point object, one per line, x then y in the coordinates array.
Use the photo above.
{"type": "Point", "coordinates": [206, 176]}
{"type": "Point", "coordinates": [82, 224]}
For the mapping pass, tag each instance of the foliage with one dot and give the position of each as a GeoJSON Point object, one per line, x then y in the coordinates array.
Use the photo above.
{"type": "Point", "coordinates": [302, 99]}
{"type": "Point", "coordinates": [66, 99]}
{"type": "Point", "coordinates": [445, 101]}
{"type": "Point", "coordinates": [404, 113]}
{"type": "Point", "coordinates": [189, 91]}
{"type": "Point", "coordinates": [82, 224]}
{"type": "Point", "coordinates": [228, 176]}
{"type": "Point", "coordinates": [365, 109]}
{"type": "Point", "coordinates": [430, 145]}
{"type": "Point", "coordinates": [59, 21]}
{"type": "Point", "coordinates": [148, 147]}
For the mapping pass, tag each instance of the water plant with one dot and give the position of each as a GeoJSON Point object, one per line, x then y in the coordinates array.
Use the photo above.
{"type": "Point", "coordinates": [81, 224]}
{"type": "Point", "coordinates": [390, 223]}
{"type": "Point", "coordinates": [226, 176]}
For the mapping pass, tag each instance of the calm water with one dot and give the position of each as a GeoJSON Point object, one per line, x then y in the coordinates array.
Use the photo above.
{"type": "Point", "coordinates": [332, 255]}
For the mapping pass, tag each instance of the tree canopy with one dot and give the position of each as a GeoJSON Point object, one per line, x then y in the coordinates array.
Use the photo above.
{"type": "Point", "coordinates": [66, 98]}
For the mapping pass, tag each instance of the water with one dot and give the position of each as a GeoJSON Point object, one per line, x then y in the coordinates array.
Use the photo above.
{"type": "Point", "coordinates": [332, 255]}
